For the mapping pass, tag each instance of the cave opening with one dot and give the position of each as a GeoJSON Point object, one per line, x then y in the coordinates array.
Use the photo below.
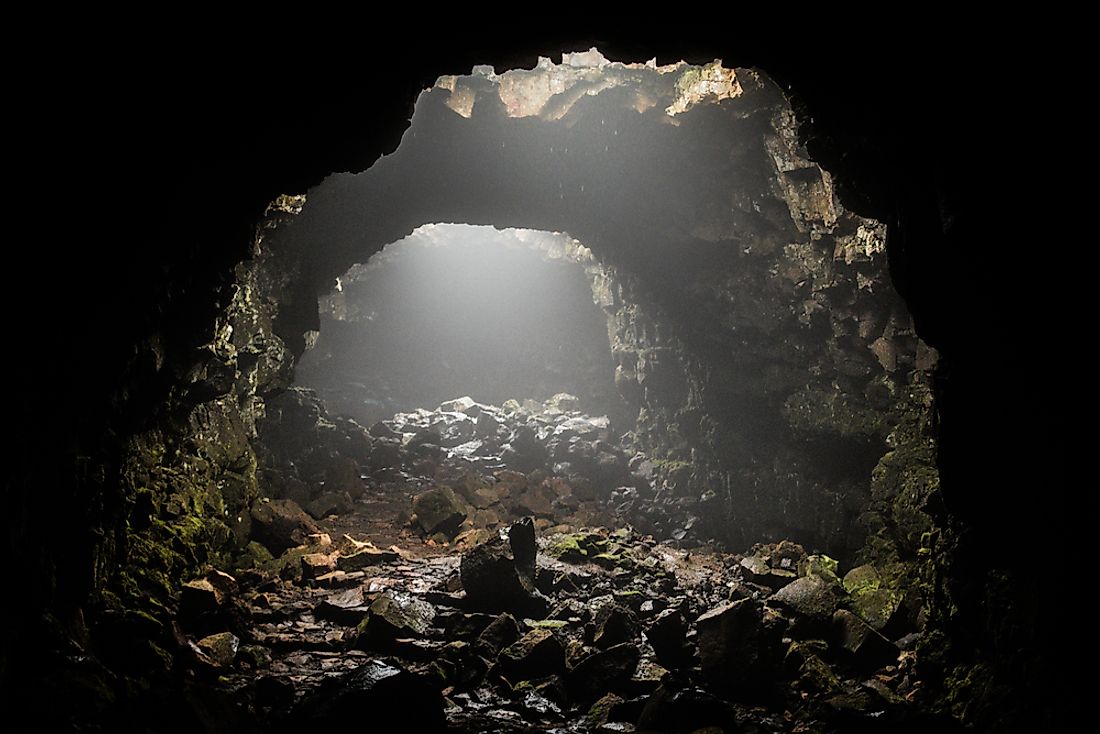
{"type": "Point", "coordinates": [462, 311]}
{"type": "Point", "coordinates": [291, 521]}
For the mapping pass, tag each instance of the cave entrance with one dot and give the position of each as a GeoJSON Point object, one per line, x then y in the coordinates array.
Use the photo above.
{"type": "Point", "coordinates": [456, 310]}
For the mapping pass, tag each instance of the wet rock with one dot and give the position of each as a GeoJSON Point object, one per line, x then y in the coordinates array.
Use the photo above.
{"type": "Point", "coordinates": [328, 503]}
{"type": "Point", "coordinates": [678, 708]}
{"type": "Point", "coordinates": [378, 692]}
{"type": "Point", "coordinates": [281, 524]}
{"type": "Point", "coordinates": [606, 671]}
{"type": "Point", "coordinates": [501, 632]}
{"type": "Point", "coordinates": [439, 511]}
{"type": "Point", "coordinates": [757, 570]}
{"type": "Point", "coordinates": [805, 665]}
{"type": "Point", "coordinates": [199, 597]}
{"type": "Point", "coordinates": [602, 711]}
{"type": "Point", "coordinates": [392, 615]}
{"type": "Point", "coordinates": [614, 625]}
{"type": "Point", "coordinates": [809, 602]}
{"type": "Point", "coordinates": [865, 647]}
{"type": "Point", "coordinates": [365, 557]}
{"type": "Point", "coordinates": [348, 607]}
{"type": "Point", "coordinates": [667, 634]}
{"type": "Point", "coordinates": [736, 646]}
{"type": "Point", "coordinates": [537, 654]}
{"type": "Point", "coordinates": [498, 575]}
{"type": "Point", "coordinates": [220, 648]}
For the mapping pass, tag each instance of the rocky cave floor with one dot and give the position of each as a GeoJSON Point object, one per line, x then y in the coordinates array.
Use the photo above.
{"type": "Point", "coordinates": [470, 584]}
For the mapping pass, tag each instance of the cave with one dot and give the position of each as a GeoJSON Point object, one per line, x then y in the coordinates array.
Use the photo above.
{"type": "Point", "coordinates": [579, 387]}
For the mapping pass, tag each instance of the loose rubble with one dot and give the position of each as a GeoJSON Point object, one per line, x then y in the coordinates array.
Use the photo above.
{"type": "Point", "coordinates": [486, 581]}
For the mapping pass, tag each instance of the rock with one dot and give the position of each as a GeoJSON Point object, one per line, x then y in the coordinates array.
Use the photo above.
{"type": "Point", "coordinates": [564, 401]}
{"type": "Point", "coordinates": [274, 693]}
{"type": "Point", "coordinates": [498, 575]}
{"type": "Point", "coordinates": [342, 479]}
{"type": "Point", "coordinates": [820, 565]}
{"type": "Point", "coordinates": [804, 664]}
{"type": "Point", "coordinates": [220, 648]}
{"type": "Point", "coordinates": [874, 602]}
{"type": "Point", "coordinates": [199, 597]}
{"type": "Point", "coordinates": [460, 405]}
{"type": "Point", "coordinates": [866, 648]}
{"type": "Point", "coordinates": [501, 632]}
{"type": "Point", "coordinates": [736, 647]}
{"type": "Point", "coordinates": [392, 615]}
{"type": "Point", "coordinates": [602, 672]}
{"type": "Point", "coordinates": [281, 524]}
{"type": "Point", "coordinates": [328, 503]}
{"type": "Point", "coordinates": [439, 511]}
{"type": "Point", "coordinates": [614, 625]}
{"type": "Point", "coordinates": [810, 602]}
{"type": "Point", "coordinates": [667, 634]}
{"type": "Point", "coordinates": [758, 571]}
{"type": "Point", "coordinates": [677, 708]}
{"type": "Point", "coordinates": [315, 565]}
{"type": "Point", "coordinates": [348, 607]}
{"type": "Point", "coordinates": [378, 692]}
{"type": "Point", "coordinates": [601, 711]}
{"type": "Point", "coordinates": [364, 557]}
{"type": "Point", "coordinates": [537, 654]}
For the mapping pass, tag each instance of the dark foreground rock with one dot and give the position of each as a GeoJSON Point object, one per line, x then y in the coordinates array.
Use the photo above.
{"type": "Point", "coordinates": [379, 696]}
{"type": "Point", "coordinates": [498, 575]}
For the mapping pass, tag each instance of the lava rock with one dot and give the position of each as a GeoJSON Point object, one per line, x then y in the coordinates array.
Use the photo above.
{"type": "Point", "coordinates": [676, 708]}
{"type": "Point", "coordinates": [606, 671]}
{"type": "Point", "coordinates": [866, 648]}
{"type": "Point", "coordinates": [439, 511]}
{"type": "Point", "coordinates": [394, 614]}
{"type": "Point", "coordinates": [614, 625]}
{"type": "Point", "coordinates": [501, 632]}
{"type": "Point", "coordinates": [537, 654]}
{"type": "Point", "coordinates": [736, 647]}
{"type": "Point", "coordinates": [317, 564]}
{"type": "Point", "coordinates": [667, 634]}
{"type": "Point", "coordinates": [386, 696]}
{"type": "Point", "coordinates": [499, 575]}
{"type": "Point", "coordinates": [365, 557]}
{"type": "Point", "coordinates": [281, 524]}
{"type": "Point", "coordinates": [328, 503]}
{"type": "Point", "coordinates": [220, 649]}
{"type": "Point", "coordinates": [810, 602]}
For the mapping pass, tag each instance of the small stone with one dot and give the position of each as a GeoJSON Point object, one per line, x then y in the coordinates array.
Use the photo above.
{"type": "Point", "coordinates": [614, 625]}
{"type": "Point", "coordinates": [501, 632]}
{"type": "Point", "coordinates": [221, 648]}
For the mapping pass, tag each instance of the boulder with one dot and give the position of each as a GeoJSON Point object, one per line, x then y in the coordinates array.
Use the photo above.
{"type": "Point", "coordinates": [499, 575]}
{"type": "Point", "coordinates": [388, 697]}
{"type": "Point", "coordinates": [737, 646]}
{"type": "Point", "coordinates": [606, 671]}
{"type": "Point", "coordinates": [615, 624]}
{"type": "Point", "coordinates": [677, 708]}
{"type": "Point", "coordinates": [328, 503]}
{"type": "Point", "coordinates": [364, 557]}
{"type": "Point", "coordinates": [438, 511]}
{"type": "Point", "coordinates": [537, 654]}
{"type": "Point", "coordinates": [392, 615]}
{"type": "Point", "coordinates": [667, 634]}
{"type": "Point", "coordinates": [809, 602]}
{"type": "Point", "coordinates": [281, 524]}
{"type": "Point", "coordinates": [865, 648]}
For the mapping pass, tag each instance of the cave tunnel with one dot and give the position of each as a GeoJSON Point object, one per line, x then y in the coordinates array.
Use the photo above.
{"type": "Point", "coordinates": [598, 390]}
